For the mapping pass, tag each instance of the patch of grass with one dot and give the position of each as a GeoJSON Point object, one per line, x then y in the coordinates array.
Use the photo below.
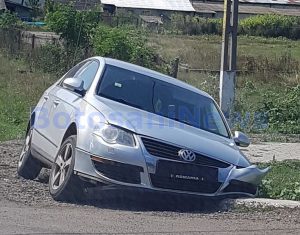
{"type": "Point", "coordinates": [20, 89]}
{"type": "Point", "coordinates": [196, 51]}
{"type": "Point", "coordinates": [259, 46]}
{"type": "Point", "coordinates": [204, 51]}
{"type": "Point", "coordinates": [283, 180]}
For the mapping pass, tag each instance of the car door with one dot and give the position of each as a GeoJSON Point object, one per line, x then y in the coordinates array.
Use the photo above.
{"type": "Point", "coordinates": [42, 140]}
{"type": "Point", "coordinates": [67, 102]}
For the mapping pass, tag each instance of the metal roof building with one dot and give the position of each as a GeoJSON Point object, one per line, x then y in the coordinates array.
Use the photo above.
{"type": "Point", "coordinates": [168, 5]}
{"type": "Point", "coordinates": [217, 9]}
{"type": "Point", "coordinates": [293, 2]}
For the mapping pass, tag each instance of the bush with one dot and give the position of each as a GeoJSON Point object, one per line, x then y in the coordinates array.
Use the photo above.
{"type": "Point", "coordinates": [55, 59]}
{"type": "Point", "coordinates": [75, 28]}
{"type": "Point", "coordinates": [283, 112]}
{"type": "Point", "coordinates": [270, 68]}
{"type": "Point", "coordinates": [260, 25]}
{"type": "Point", "coordinates": [194, 25]}
{"type": "Point", "coordinates": [119, 43]}
{"type": "Point", "coordinates": [10, 21]}
{"type": "Point", "coordinates": [81, 32]}
{"type": "Point", "coordinates": [282, 182]}
{"type": "Point", "coordinates": [123, 44]}
{"type": "Point", "coordinates": [197, 25]}
{"type": "Point", "coordinates": [271, 26]}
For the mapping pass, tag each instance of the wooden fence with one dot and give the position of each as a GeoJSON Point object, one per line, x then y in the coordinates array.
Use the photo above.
{"type": "Point", "coordinates": [16, 42]}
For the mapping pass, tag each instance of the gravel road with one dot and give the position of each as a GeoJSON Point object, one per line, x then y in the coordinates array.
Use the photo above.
{"type": "Point", "coordinates": [26, 208]}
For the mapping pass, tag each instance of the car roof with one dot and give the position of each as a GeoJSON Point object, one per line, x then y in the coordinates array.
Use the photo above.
{"type": "Point", "coordinates": [151, 73]}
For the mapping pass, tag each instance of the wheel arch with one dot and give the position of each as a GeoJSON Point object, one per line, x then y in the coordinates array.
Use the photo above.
{"type": "Point", "coordinates": [71, 130]}
{"type": "Point", "coordinates": [30, 122]}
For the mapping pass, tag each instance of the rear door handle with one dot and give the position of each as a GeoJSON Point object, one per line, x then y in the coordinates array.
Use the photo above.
{"type": "Point", "coordinates": [46, 97]}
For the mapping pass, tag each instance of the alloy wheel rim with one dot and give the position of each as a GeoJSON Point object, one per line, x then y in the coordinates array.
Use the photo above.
{"type": "Point", "coordinates": [61, 166]}
{"type": "Point", "coordinates": [25, 148]}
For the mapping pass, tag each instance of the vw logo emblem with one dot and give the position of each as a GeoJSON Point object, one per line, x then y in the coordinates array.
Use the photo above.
{"type": "Point", "coordinates": [187, 155]}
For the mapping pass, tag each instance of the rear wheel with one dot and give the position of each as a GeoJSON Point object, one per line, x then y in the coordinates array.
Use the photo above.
{"type": "Point", "coordinates": [28, 166]}
{"type": "Point", "coordinates": [63, 184]}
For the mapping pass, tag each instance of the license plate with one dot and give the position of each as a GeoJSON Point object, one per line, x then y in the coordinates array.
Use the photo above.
{"type": "Point", "coordinates": [182, 171]}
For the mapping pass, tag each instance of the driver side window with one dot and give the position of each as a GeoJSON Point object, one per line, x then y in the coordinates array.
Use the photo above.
{"type": "Point", "coordinates": [71, 73]}
{"type": "Point", "coordinates": [87, 73]}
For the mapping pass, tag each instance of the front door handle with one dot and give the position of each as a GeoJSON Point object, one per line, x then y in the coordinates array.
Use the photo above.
{"type": "Point", "coordinates": [56, 102]}
{"type": "Point", "coordinates": [46, 97]}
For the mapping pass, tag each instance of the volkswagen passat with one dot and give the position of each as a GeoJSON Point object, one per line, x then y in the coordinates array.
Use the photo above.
{"type": "Point", "coordinates": [107, 122]}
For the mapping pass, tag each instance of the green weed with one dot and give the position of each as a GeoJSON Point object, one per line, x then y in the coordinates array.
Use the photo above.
{"type": "Point", "coordinates": [283, 180]}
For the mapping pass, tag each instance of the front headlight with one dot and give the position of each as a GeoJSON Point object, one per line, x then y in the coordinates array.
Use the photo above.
{"type": "Point", "coordinates": [114, 135]}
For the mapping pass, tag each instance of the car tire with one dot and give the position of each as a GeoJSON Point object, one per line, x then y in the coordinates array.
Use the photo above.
{"type": "Point", "coordinates": [63, 184]}
{"type": "Point", "coordinates": [28, 166]}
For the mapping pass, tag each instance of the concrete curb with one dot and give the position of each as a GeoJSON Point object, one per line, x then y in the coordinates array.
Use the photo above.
{"type": "Point", "coordinates": [258, 203]}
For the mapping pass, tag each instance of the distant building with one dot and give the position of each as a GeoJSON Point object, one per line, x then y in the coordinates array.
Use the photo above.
{"type": "Point", "coordinates": [281, 2]}
{"type": "Point", "coordinates": [203, 8]}
{"type": "Point", "coordinates": [146, 7]}
{"type": "Point", "coordinates": [248, 8]}
{"type": "Point", "coordinates": [18, 7]}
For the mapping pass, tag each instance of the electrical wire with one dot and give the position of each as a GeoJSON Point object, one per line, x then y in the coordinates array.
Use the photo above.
{"type": "Point", "coordinates": [79, 33]}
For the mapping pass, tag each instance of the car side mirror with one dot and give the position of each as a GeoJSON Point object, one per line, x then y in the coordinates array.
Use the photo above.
{"type": "Point", "coordinates": [74, 84]}
{"type": "Point", "coordinates": [241, 139]}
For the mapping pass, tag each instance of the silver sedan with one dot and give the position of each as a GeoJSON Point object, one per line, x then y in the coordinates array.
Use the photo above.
{"type": "Point", "coordinates": [111, 123]}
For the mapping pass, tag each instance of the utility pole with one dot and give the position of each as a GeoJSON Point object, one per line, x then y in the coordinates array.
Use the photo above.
{"type": "Point", "coordinates": [228, 56]}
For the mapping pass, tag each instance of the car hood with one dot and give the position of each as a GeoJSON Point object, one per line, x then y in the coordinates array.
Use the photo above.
{"type": "Point", "coordinates": [173, 132]}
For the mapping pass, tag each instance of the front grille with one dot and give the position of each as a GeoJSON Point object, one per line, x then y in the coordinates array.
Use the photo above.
{"type": "Point", "coordinates": [118, 171]}
{"type": "Point", "coordinates": [185, 177]}
{"type": "Point", "coordinates": [236, 186]}
{"type": "Point", "coordinates": [163, 150]}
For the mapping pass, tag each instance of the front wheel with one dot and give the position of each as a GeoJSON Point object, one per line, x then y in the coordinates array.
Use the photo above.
{"type": "Point", "coordinates": [63, 184]}
{"type": "Point", "coordinates": [28, 166]}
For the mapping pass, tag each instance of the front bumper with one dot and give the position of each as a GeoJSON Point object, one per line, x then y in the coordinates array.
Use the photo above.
{"type": "Point", "coordinates": [135, 167]}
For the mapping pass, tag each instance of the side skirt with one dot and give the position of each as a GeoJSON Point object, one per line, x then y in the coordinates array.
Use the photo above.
{"type": "Point", "coordinates": [45, 161]}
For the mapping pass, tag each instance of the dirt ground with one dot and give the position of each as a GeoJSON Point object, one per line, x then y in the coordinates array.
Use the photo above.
{"type": "Point", "coordinates": [265, 152]}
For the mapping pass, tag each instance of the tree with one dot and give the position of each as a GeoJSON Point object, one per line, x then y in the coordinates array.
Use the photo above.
{"type": "Point", "coordinates": [72, 25]}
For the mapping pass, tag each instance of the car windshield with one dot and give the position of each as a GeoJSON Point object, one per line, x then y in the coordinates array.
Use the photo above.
{"type": "Point", "coordinates": [161, 98]}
